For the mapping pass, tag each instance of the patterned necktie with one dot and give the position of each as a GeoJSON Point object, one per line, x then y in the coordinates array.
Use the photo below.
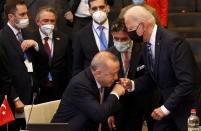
{"type": "Point", "coordinates": [19, 36]}
{"type": "Point", "coordinates": [150, 56]}
{"type": "Point", "coordinates": [103, 41]}
{"type": "Point", "coordinates": [101, 101]}
{"type": "Point", "coordinates": [47, 47]}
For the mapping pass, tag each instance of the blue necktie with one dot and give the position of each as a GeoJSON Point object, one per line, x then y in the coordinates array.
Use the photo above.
{"type": "Point", "coordinates": [103, 41]}
{"type": "Point", "coordinates": [150, 56]}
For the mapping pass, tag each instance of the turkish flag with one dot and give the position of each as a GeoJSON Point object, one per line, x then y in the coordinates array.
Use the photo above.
{"type": "Point", "coordinates": [6, 114]}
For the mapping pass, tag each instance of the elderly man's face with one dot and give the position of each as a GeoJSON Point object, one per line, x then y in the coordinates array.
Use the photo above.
{"type": "Point", "coordinates": [107, 76]}
{"type": "Point", "coordinates": [130, 24]}
{"type": "Point", "coordinates": [46, 18]}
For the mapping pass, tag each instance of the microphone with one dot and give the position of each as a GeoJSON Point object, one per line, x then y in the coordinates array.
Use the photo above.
{"type": "Point", "coordinates": [34, 98]}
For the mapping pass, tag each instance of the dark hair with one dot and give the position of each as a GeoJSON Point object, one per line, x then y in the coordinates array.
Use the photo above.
{"type": "Point", "coordinates": [10, 6]}
{"type": "Point", "coordinates": [89, 1]}
{"type": "Point", "coordinates": [119, 25]}
{"type": "Point", "coordinates": [45, 8]}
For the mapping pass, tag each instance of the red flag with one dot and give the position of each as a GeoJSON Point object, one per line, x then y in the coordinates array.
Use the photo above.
{"type": "Point", "coordinates": [6, 114]}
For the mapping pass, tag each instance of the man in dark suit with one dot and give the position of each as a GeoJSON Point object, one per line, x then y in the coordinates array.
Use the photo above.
{"type": "Point", "coordinates": [5, 79]}
{"type": "Point", "coordinates": [171, 66]}
{"type": "Point", "coordinates": [92, 38]}
{"type": "Point", "coordinates": [12, 43]}
{"type": "Point", "coordinates": [132, 66]}
{"type": "Point", "coordinates": [52, 61]}
{"type": "Point", "coordinates": [86, 102]}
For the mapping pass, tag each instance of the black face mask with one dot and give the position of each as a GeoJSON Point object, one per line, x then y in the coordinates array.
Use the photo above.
{"type": "Point", "coordinates": [133, 35]}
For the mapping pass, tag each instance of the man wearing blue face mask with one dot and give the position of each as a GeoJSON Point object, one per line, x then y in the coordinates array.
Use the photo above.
{"type": "Point", "coordinates": [130, 55]}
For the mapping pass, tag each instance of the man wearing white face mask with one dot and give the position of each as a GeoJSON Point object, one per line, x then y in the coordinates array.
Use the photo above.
{"type": "Point", "coordinates": [94, 37]}
{"type": "Point", "coordinates": [134, 108]}
{"type": "Point", "coordinates": [52, 62]}
{"type": "Point", "coordinates": [18, 51]}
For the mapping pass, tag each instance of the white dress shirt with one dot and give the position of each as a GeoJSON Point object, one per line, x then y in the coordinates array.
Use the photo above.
{"type": "Point", "coordinates": [105, 30]}
{"type": "Point", "coordinates": [83, 9]}
{"type": "Point", "coordinates": [50, 41]}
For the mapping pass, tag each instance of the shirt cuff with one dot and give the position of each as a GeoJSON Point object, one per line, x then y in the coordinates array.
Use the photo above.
{"type": "Point", "coordinates": [36, 48]}
{"type": "Point", "coordinates": [132, 88]}
{"type": "Point", "coordinates": [16, 99]}
{"type": "Point", "coordinates": [115, 95]}
{"type": "Point", "coordinates": [165, 110]}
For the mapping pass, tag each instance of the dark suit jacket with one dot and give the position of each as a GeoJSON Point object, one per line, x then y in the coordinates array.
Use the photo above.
{"type": "Point", "coordinates": [5, 78]}
{"type": "Point", "coordinates": [2, 2]}
{"type": "Point", "coordinates": [132, 103]}
{"type": "Point", "coordinates": [80, 104]}
{"type": "Point", "coordinates": [86, 48]}
{"type": "Point", "coordinates": [20, 77]}
{"type": "Point", "coordinates": [175, 73]}
{"type": "Point", "coordinates": [60, 67]}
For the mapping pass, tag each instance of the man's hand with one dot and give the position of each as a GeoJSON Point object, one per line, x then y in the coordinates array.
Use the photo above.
{"type": "Point", "coordinates": [119, 90]}
{"type": "Point", "coordinates": [26, 44]}
{"type": "Point", "coordinates": [110, 122]}
{"type": "Point", "coordinates": [19, 106]}
{"type": "Point", "coordinates": [69, 16]}
{"type": "Point", "coordinates": [126, 83]}
{"type": "Point", "coordinates": [158, 114]}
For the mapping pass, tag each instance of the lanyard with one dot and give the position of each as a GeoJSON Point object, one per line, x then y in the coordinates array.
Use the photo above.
{"type": "Point", "coordinates": [101, 42]}
{"type": "Point", "coordinates": [124, 69]}
{"type": "Point", "coordinates": [25, 54]}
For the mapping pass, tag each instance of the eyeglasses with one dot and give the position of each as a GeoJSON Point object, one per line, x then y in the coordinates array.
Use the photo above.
{"type": "Point", "coordinates": [102, 7]}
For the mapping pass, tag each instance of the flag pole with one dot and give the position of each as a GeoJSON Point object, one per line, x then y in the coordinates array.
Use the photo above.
{"type": "Point", "coordinates": [7, 126]}
{"type": "Point", "coordinates": [7, 123]}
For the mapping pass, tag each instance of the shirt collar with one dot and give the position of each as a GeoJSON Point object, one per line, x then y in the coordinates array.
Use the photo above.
{"type": "Point", "coordinates": [98, 85]}
{"type": "Point", "coordinates": [15, 31]}
{"type": "Point", "coordinates": [105, 25]}
{"type": "Point", "coordinates": [153, 36]}
{"type": "Point", "coordinates": [43, 35]}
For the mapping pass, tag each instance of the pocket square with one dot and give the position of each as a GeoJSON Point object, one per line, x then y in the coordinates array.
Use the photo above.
{"type": "Point", "coordinates": [140, 67]}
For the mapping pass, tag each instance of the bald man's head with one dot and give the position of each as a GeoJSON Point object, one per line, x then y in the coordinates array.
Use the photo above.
{"type": "Point", "coordinates": [105, 67]}
{"type": "Point", "coordinates": [100, 60]}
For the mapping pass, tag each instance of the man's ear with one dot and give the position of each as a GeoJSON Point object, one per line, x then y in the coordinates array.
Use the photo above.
{"type": "Point", "coordinates": [107, 8]}
{"type": "Point", "coordinates": [10, 16]}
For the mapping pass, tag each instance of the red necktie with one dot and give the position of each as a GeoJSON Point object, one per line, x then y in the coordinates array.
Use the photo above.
{"type": "Point", "coordinates": [47, 47]}
{"type": "Point", "coordinates": [126, 59]}
{"type": "Point", "coordinates": [101, 101]}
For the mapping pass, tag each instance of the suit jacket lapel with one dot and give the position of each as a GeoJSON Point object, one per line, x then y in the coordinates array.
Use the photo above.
{"type": "Point", "coordinates": [110, 42]}
{"type": "Point", "coordinates": [157, 52]}
{"type": "Point", "coordinates": [135, 58]}
{"type": "Point", "coordinates": [93, 84]}
{"type": "Point", "coordinates": [14, 42]}
{"type": "Point", "coordinates": [56, 39]}
{"type": "Point", "coordinates": [92, 41]}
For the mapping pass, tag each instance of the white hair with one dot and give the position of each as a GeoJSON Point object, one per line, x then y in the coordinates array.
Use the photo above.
{"type": "Point", "coordinates": [139, 14]}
